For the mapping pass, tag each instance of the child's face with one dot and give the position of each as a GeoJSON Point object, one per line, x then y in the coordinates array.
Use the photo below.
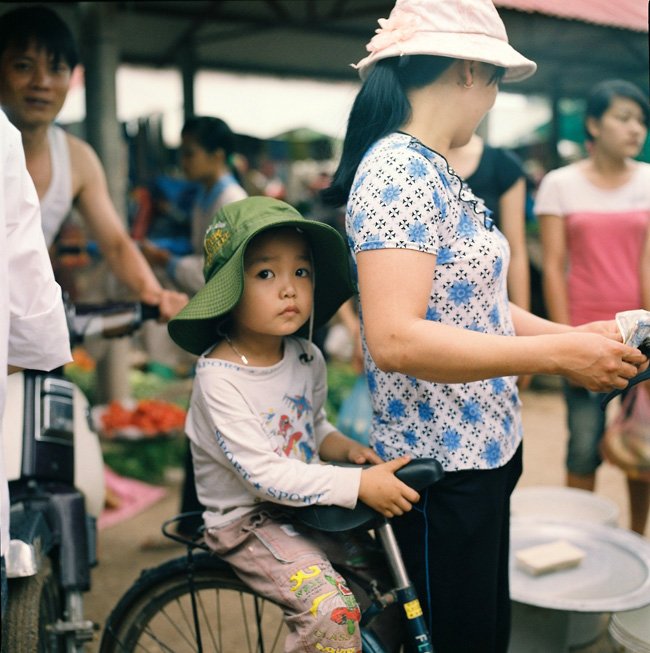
{"type": "Point", "coordinates": [278, 285]}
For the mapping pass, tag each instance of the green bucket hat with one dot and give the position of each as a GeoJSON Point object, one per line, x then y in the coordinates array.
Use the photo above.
{"type": "Point", "coordinates": [195, 328]}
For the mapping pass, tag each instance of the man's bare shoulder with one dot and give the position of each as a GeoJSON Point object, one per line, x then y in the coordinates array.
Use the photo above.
{"type": "Point", "coordinates": [80, 151]}
{"type": "Point", "coordinates": [85, 165]}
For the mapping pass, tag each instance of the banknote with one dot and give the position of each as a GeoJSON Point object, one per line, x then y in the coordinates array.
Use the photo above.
{"type": "Point", "coordinates": [635, 328]}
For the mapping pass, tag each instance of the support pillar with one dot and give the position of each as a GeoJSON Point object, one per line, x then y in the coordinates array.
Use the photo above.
{"type": "Point", "coordinates": [188, 73]}
{"type": "Point", "coordinates": [554, 138]}
{"type": "Point", "coordinates": [100, 54]}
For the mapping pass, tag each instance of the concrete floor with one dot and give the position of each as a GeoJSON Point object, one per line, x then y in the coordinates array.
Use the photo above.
{"type": "Point", "coordinates": [545, 440]}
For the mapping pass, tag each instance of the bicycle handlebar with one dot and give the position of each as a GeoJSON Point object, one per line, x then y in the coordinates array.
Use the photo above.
{"type": "Point", "coordinates": [639, 378]}
{"type": "Point", "coordinates": [107, 320]}
{"type": "Point", "coordinates": [418, 474]}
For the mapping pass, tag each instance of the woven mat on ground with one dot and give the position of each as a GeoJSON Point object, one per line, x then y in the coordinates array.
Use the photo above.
{"type": "Point", "coordinates": [130, 495]}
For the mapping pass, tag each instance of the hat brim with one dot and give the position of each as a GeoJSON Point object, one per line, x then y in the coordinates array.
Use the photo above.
{"type": "Point", "coordinates": [195, 328]}
{"type": "Point", "coordinates": [472, 47]}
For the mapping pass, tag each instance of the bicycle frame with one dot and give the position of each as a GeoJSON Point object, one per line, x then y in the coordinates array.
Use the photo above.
{"type": "Point", "coordinates": [405, 592]}
{"type": "Point", "coordinates": [402, 590]}
{"type": "Point", "coordinates": [418, 474]}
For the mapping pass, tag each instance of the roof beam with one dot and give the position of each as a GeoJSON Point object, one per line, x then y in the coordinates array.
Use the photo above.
{"type": "Point", "coordinates": [185, 38]}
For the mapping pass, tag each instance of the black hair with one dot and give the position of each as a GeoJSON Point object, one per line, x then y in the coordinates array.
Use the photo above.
{"type": "Point", "coordinates": [38, 23]}
{"type": "Point", "coordinates": [210, 133]}
{"type": "Point", "coordinates": [603, 94]}
{"type": "Point", "coordinates": [381, 107]}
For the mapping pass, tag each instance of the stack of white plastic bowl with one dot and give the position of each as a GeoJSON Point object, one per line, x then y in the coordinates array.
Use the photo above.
{"type": "Point", "coordinates": [631, 630]}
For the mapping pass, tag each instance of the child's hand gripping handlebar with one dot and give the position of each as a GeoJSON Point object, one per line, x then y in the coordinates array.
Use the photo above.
{"type": "Point", "coordinates": [417, 474]}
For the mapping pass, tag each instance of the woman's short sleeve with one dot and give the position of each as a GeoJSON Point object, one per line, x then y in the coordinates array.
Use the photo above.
{"type": "Point", "coordinates": [398, 200]}
{"type": "Point", "coordinates": [548, 200]}
{"type": "Point", "coordinates": [508, 168]}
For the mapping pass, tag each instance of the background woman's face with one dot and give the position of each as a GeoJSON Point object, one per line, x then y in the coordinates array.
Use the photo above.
{"type": "Point", "coordinates": [197, 163]}
{"type": "Point", "coordinates": [621, 130]}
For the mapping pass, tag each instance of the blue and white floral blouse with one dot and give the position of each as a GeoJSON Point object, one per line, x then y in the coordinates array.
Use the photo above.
{"type": "Point", "coordinates": [405, 195]}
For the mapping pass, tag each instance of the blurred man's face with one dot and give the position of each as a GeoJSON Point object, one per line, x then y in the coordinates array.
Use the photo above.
{"type": "Point", "coordinates": [33, 87]}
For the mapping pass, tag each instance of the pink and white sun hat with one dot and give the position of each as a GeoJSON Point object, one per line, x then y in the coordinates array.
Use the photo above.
{"type": "Point", "coordinates": [460, 29]}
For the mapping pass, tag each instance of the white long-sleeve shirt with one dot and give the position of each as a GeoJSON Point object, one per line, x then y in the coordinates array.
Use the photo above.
{"type": "Point", "coordinates": [255, 434]}
{"type": "Point", "coordinates": [33, 330]}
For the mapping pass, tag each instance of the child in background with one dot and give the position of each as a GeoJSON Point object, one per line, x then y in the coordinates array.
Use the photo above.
{"type": "Point", "coordinates": [256, 421]}
{"type": "Point", "coordinates": [207, 146]}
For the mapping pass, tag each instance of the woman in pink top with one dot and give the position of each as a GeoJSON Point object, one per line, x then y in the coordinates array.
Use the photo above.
{"type": "Point", "coordinates": [594, 220]}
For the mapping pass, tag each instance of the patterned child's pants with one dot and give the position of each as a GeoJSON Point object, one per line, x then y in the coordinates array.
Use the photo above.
{"type": "Point", "coordinates": [293, 568]}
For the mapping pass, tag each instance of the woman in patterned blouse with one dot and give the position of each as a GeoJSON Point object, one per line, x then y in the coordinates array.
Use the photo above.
{"type": "Point", "coordinates": [442, 344]}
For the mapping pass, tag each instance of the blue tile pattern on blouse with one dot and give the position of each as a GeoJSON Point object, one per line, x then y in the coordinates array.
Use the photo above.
{"type": "Point", "coordinates": [405, 196]}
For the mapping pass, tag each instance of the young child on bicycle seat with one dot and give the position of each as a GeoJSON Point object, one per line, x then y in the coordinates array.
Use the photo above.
{"type": "Point", "coordinates": [257, 423]}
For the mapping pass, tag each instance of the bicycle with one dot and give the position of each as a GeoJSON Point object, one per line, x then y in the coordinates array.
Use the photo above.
{"type": "Point", "coordinates": [196, 602]}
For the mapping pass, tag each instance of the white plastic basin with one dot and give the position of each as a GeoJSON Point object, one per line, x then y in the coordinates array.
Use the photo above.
{"type": "Point", "coordinates": [563, 503]}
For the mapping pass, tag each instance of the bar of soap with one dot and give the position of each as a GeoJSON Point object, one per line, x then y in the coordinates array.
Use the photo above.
{"type": "Point", "coordinates": [544, 558]}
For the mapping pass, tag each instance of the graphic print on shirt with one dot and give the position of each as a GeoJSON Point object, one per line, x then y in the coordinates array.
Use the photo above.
{"type": "Point", "coordinates": [292, 428]}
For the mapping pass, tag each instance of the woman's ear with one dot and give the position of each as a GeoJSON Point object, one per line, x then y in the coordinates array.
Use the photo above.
{"type": "Point", "coordinates": [592, 126]}
{"type": "Point", "coordinates": [467, 73]}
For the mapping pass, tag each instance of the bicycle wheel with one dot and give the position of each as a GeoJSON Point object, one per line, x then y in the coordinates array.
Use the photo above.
{"type": "Point", "coordinates": [157, 614]}
{"type": "Point", "coordinates": [34, 604]}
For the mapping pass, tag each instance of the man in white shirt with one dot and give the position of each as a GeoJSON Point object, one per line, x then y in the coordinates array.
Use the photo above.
{"type": "Point", "coordinates": [33, 330]}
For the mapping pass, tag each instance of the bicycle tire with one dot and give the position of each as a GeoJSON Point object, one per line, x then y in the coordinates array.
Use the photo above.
{"type": "Point", "coordinates": [156, 613]}
{"type": "Point", "coordinates": [25, 628]}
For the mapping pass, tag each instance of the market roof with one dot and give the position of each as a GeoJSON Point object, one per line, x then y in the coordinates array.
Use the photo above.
{"type": "Point", "coordinates": [575, 42]}
{"type": "Point", "coordinates": [626, 14]}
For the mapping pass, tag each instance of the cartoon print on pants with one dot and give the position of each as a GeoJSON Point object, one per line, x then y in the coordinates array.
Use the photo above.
{"type": "Point", "coordinates": [348, 615]}
{"type": "Point", "coordinates": [303, 574]}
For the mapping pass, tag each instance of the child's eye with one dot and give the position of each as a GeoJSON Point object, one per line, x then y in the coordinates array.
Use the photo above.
{"type": "Point", "coordinates": [303, 272]}
{"type": "Point", "coordinates": [265, 274]}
